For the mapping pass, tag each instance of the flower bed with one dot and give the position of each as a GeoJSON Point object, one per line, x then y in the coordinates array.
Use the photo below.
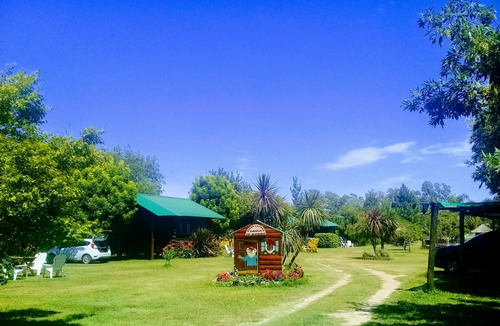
{"type": "Point", "coordinates": [267, 278]}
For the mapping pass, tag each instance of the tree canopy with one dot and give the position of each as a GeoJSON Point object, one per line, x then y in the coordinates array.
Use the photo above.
{"type": "Point", "coordinates": [145, 170]}
{"type": "Point", "coordinates": [469, 81]}
{"type": "Point", "coordinates": [21, 103]}
{"type": "Point", "coordinates": [56, 192]}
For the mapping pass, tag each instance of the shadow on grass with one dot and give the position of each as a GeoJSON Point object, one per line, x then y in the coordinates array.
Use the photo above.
{"type": "Point", "coordinates": [472, 283]}
{"type": "Point", "coordinates": [37, 317]}
{"type": "Point", "coordinates": [468, 299]}
{"type": "Point", "coordinates": [413, 313]}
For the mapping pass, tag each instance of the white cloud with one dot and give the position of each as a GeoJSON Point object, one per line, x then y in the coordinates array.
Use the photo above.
{"type": "Point", "coordinates": [364, 156]}
{"type": "Point", "coordinates": [394, 182]}
{"type": "Point", "coordinates": [244, 166]}
{"type": "Point", "coordinates": [458, 149]}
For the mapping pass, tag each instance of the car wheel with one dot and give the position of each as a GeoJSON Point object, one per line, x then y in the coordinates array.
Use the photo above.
{"type": "Point", "coordinates": [86, 259]}
{"type": "Point", "coordinates": [452, 266]}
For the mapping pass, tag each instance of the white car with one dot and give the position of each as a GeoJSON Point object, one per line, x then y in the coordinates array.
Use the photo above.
{"type": "Point", "coordinates": [85, 251]}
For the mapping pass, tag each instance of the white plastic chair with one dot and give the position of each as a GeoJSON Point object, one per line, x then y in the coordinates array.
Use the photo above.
{"type": "Point", "coordinates": [55, 268]}
{"type": "Point", "coordinates": [229, 250]}
{"type": "Point", "coordinates": [18, 269]}
{"type": "Point", "coordinates": [38, 262]}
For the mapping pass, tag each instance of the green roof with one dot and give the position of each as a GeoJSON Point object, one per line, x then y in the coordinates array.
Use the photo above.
{"type": "Point", "coordinates": [489, 209]}
{"type": "Point", "coordinates": [171, 206]}
{"type": "Point", "coordinates": [329, 224]}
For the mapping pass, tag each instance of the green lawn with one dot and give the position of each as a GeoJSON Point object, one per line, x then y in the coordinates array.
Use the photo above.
{"type": "Point", "coordinates": [145, 292]}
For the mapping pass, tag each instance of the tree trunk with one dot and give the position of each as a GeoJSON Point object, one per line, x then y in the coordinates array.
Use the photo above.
{"type": "Point", "coordinates": [293, 258]}
{"type": "Point", "coordinates": [374, 245]}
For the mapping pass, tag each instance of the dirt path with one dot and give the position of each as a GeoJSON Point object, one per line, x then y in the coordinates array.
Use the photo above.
{"type": "Point", "coordinates": [350, 318]}
{"type": "Point", "coordinates": [306, 301]}
{"type": "Point", "coordinates": [389, 285]}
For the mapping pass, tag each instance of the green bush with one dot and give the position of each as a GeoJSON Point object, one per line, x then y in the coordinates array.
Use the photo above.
{"type": "Point", "coordinates": [328, 240]}
{"type": "Point", "coordinates": [204, 243]}
{"type": "Point", "coordinates": [381, 255]}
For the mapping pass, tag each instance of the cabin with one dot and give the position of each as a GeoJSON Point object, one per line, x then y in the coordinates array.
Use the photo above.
{"type": "Point", "coordinates": [160, 220]}
{"type": "Point", "coordinates": [258, 247]}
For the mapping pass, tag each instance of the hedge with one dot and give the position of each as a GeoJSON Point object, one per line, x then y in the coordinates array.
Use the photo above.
{"type": "Point", "coordinates": [328, 240]}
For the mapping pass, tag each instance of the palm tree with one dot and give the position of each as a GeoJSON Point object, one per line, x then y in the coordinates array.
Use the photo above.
{"type": "Point", "coordinates": [310, 216]}
{"type": "Point", "coordinates": [371, 227]}
{"type": "Point", "coordinates": [266, 199]}
{"type": "Point", "coordinates": [375, 226]}
{"type": "Point", "coordinates": [311, 213]}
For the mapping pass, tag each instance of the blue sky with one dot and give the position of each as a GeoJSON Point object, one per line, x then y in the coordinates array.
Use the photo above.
{"type": "Point", "coordinates": [311, 89]}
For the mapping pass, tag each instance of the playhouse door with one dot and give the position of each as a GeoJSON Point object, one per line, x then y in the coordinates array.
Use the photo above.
{"type": "Point", "coordinates": [246, 256]}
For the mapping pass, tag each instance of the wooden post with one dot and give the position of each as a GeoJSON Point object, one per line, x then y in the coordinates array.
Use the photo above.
{"type": "Point", "coordinates": [462, 239]}
{"type": "Point", "coordinates": [432, 247]}
{"type": "Point", "coordinates": [152, 238]}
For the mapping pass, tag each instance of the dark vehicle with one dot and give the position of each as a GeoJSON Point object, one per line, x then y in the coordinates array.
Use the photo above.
{"type": "Point", "coordinates": [480, 252]}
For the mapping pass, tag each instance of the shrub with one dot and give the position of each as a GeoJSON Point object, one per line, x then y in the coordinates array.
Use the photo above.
{"type": "Point", "coordinates": [168, 254]}
{"type": "Point", "coordinates": [204, 243]}
{"type": "Point", "coordinates": [312, 245]}
{"type": "Point", "coordinates": [185, 250]}
{"type": "Point", "coordinates": [381, 255]}
{"type": "Point", "coordinates": [328, 240]}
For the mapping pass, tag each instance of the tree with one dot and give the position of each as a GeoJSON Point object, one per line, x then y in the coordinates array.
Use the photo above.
{"type": "Point", "coordinates": [234, 178]}
{"type": "Point", "coordinates": [448, 228]}
{"type": "Point", "coordinates": [405, 202]}
{"type": "Point", "coordinates": [435, 192]}
{"type": "Point", "coordinates": [266, 199]}
{"type": "Point", "coordinates": [21, 104]}
{"type": "Point", "coordinates": [373, 199]}
{"type": "Point", "coordinates": [407, 232]}
{"type": "Point", "coordinates": [370, 227]}
{"type": "Point", "coordinates": [107, 193]}
{"type": "Point", "coordinates": [35, 197]}
{"type": "Point", "coordinates": [310, 216]}
{"type": "Point", "coordinates": [56, 192]}
{"type": "Point", "coordinates": [296, 191]}
{"type": "Point", "coordinates": [92, 136]}
{"type": "Point", "coordinates": [218, 194]}
{"type": "Point", "coordinates": [469, 81]}
{"type": "Point", "coordinates": [311, 213]}
{"type": "Point", "coordinates": [333, 202]}
{"type": "Point", "coordinates": [347, 219]}
{"type": "Point", "coordinates": [145, 170]}
{"type": "Point", "coordinates": [376, 225]}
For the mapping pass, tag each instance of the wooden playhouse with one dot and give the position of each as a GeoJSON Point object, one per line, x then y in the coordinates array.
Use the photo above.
{"type": "Point", "coordinates": [258, 247]}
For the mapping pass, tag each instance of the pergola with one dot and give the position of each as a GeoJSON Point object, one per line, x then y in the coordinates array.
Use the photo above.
{"type": "Point", "coordinates": [490, 210]}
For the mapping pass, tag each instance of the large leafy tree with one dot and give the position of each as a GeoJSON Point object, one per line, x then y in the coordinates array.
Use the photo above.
{"type": "Point", "coordinates": [347, 220]}
{"type": "Point", "coordinates": [145, 170]}
{"type": "Point", "coordinates": [21, 104]}
{"type": "Point", "coordinates": [468, 85]}
{"type": "Point", "coordinates": [55, 192]}
{"type": "Point", "coordinates": [234, 178]}
{"type": "Point", "coordinates": [35, 197]}
{"type": "Point", "coordinates": [404, 201]}
{"type": "Point", "coordinates": [218, 194]}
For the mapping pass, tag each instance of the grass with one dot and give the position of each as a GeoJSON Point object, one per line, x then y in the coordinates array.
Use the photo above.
{"type": "Point", "coordinates": [137, 292]}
